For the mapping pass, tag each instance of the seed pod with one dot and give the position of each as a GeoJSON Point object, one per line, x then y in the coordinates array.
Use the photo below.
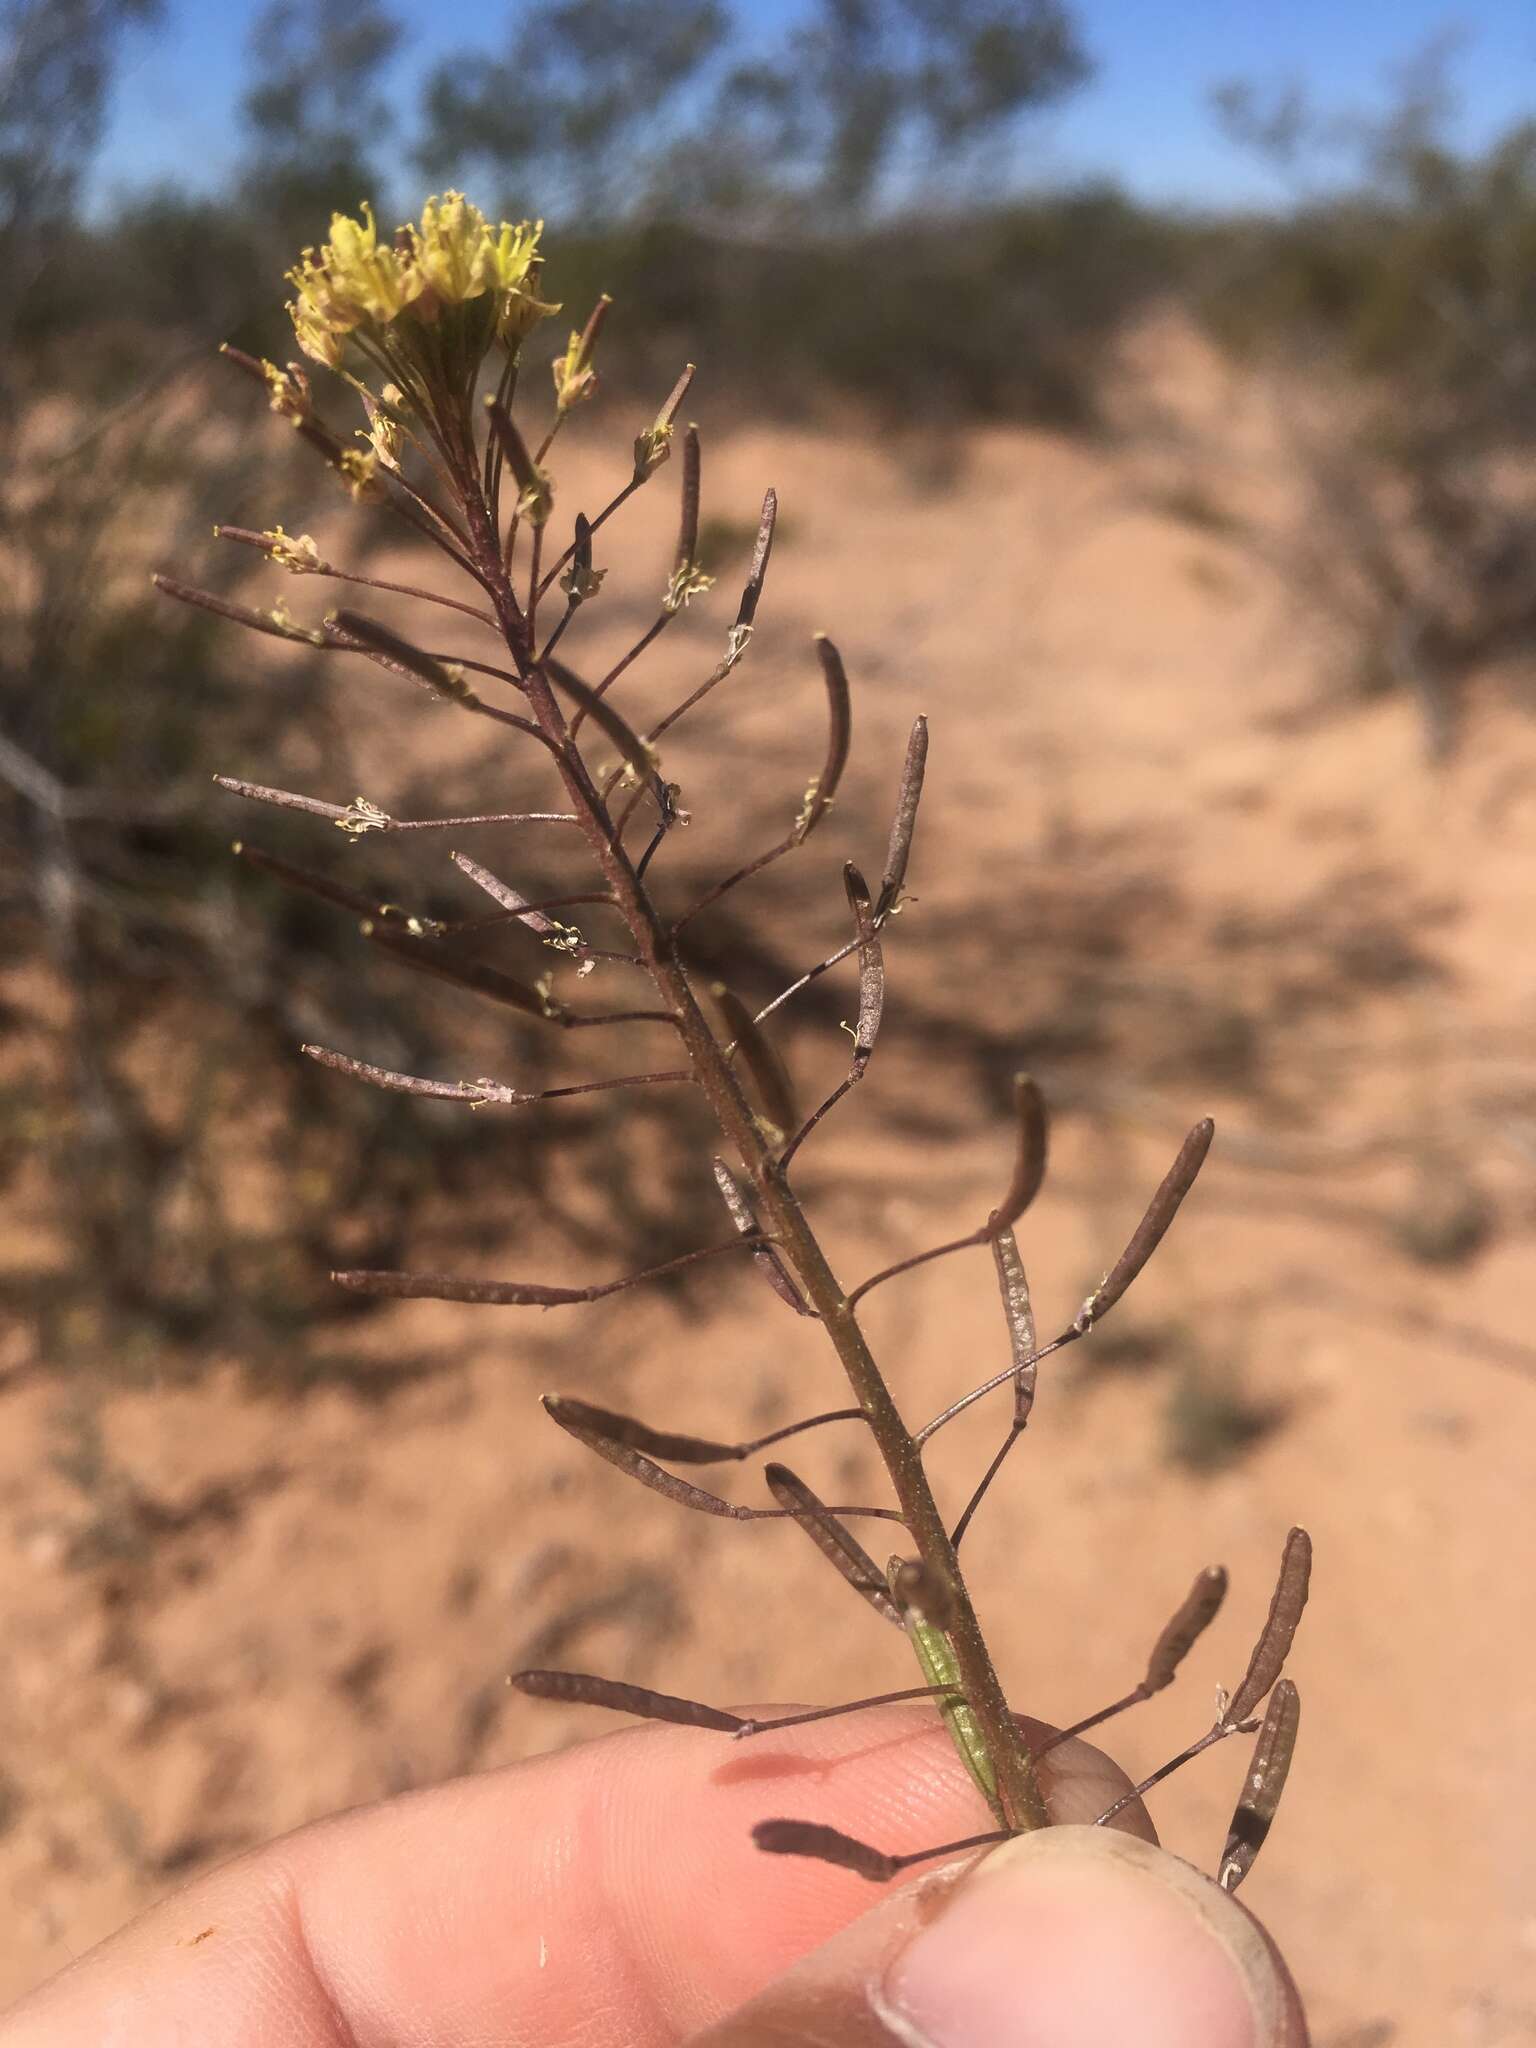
{"type": "Point", "coordinates": [312, 884]}
{"type": "Point", "coordinates": [1260, 1796]}
{"type": "Point", "coordinates": [746, 611]}
{"type": "Point", "coordinates": [440, 677]}
{"type": "Point", "coordinates": [275, 623]}
{"type": "Point", "coordinates": [638, 1436]}
{"type": "Point", "coordinates": [535, 499]}
{"type": "Point", "coordinates": [769, 1074]}
{"type": "Point", "coordinates": [904, 824]}
{"type": "Point", "coordinates": [824, 1845]}
{"type": "Point", "coordinates": [581, 1690]}
{"type": "Point", "coordinates": [1152, 1228]}
{"type": "Point", "coordinates": [285, 799]}
{"type": "Point", "coordinates": [639, 1467]}
{"type": "Point", "coordinates": [470, 974]}
{"type": "Point", "coordinates": [637, 756]}
{"type": "Point", "coordinates": [1193, 1617]}
{"type": "Point", "coordinates": [848, 1557]}
{"type": "Point", "coordinates": [765, 1258]}
{"type": "Point", "coordinates": [819, 797]}
{"type": "Point", "coordinates": [475, 1093]}
{"type": "Point", "coordinates": [871, 968]}
{"type": "Point", "coordinates": [1029, 1161]}
{"type": "Point", "coordinates": [1014, 1286]}
{"type": "Point", "coordinates": [654, 444]}
{"type": "Point", "coordinates": [508, 897]}
{"type": "Point", "coordinates": [687, 553]}
{"type": "Point", "coordinates": [1279, 1630]}
{"type": "Point", "coordinates": [450, 1287]}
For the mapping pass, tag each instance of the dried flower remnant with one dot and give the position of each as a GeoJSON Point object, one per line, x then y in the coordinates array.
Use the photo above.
{"type": "Point", "coordinates": [409, 324]}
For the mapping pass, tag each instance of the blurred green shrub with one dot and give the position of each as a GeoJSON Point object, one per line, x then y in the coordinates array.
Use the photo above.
{"type": "Point", "coordinates": [1405, 287]}
{"type": "Point", "coordinates": [179, 1177]}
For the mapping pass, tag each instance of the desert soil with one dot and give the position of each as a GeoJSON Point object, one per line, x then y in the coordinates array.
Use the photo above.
{"type": "Point", "coordinates": [1158, 864]}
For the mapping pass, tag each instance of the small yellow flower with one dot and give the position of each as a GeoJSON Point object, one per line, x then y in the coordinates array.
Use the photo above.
{"type": "Point", "coordinates": [386, 436]}
{"type": "Point", "coordinates": [320, 341]}
{"type": "Point", "coordinates": [295, 552]}
{"type": "Point", "coordinates": [458, 256]}
{"type": "Point", "coordinates": [686, 582]}
{"type": "Point", "coordinates": [357, 467]}
{"type": "Point", "coordinates": [287, 392]}
{"type": "Point", "coordinates": [513, 262]}
{"type": "Point", "coordinates": [449, 248]}
{"type": "Point", "coordinates": [387, 292]}
{"type": "Point", "coordinates": [353, 282]}
{"type": "Point", "coordinates": [575, 378]}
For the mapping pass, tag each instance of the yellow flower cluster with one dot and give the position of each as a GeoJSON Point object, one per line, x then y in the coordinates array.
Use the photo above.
{"type": "Point", "coordinates": [357, 285]}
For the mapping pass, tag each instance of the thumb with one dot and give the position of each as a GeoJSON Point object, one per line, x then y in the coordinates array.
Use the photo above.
{"type": "Point", "coordinates": [1074, 1937]}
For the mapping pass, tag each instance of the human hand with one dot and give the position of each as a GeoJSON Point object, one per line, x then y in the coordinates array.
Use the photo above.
{"type": "Point", "coordinates": [611, 1897]}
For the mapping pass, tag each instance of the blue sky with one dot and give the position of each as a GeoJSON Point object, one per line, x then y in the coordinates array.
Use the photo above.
{"type": "Point", "coordinates": [1144, 120]}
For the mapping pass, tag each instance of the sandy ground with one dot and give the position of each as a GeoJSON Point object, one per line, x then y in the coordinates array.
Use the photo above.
{"type": "Point", "coordinates": [1150, 867]}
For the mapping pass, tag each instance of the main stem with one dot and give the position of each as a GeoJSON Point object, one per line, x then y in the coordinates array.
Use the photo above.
{"type": "Point", "coordinates": [1020, 1805]}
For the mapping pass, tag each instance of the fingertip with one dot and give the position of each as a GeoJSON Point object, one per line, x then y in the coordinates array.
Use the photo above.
{"type": "Point", "coordinates": [1077, 1936]}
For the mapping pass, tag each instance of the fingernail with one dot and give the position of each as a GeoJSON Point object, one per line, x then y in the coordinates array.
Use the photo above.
{"type": "Point", "coordinates": [1079, 1937]}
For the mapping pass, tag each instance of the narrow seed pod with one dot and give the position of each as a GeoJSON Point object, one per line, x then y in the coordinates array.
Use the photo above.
{"type": "Point", "coordinates": [508, 897]}
{"type": "Point", "coordinates": [470, 974]}
{"type": "Point", "coordinates": [819, 797]}
{"type": "Point", "coordinates": [1014, 1286]}
{"type": "Point", "coordinates": [904, 824]}
{"type": "Point", "coordinates": [687, 554]}
{"type": "Point", "coordinates": [654, 444]}
{"type": "Point", "coordinates": [766, 1259]}
{"type": "Point", "coordinates": [1152, 1228]}
{"type": "Point", "coordinates": [824, 1845]}
{"type": "Point", "coordinates": [287, 391]}
{"type": "Point", "coordinates": [519, 1293]}
{"type": "Point", "coordinates": [439, 676]}
{"type": "Point", "coordinates": [1185, 1626]}
{"type": "Point", "coordinates": [636, 754]}
{"type": "Point", "coordinates": [918, 1590]}
{"type": "Point", "coordinates": [534, 497]}
{"type": "Point", "coordinates": [475, 1092]}
{"type": "Point", "coordinates": [283, 799]}
{"type": "Point", "coordinates": [273, 623]}
{"type": "Point", "coordinates": [1279, 1630]}
{"type": "Point", "coordinates": [305, 879]}
{"type": "Point", "coordinates": [757, 573]}
{"type": "Point", "coordinates": [769, 1074]}
{"type": "Point", "coordinates": [624, 1429]}
{"type": "Point", "coordinates": [871, 968]}
{"type": "Point", "coordinates": [847, 1557]}
{"type": "Point", "coordinates": [1260, 1796]}
{"type": "Point", "coordinates": [581, 1690]}
{"type": "Point", "coordinates": [641, 1468]}
{"type": "Point", "coordinates": [270, 544]}
{"type": "Point", "coordinates": [1029, 1160]}
{"type": "Point", "coordinates": [450, 1287]}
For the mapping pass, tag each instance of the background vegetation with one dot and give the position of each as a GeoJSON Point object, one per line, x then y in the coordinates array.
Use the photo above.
{"type": "Point", "coordinates": [809, 226]}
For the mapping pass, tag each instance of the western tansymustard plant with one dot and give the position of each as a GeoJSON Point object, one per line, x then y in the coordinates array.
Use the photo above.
{"type": "Point", "coordinates": [427, 329]}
